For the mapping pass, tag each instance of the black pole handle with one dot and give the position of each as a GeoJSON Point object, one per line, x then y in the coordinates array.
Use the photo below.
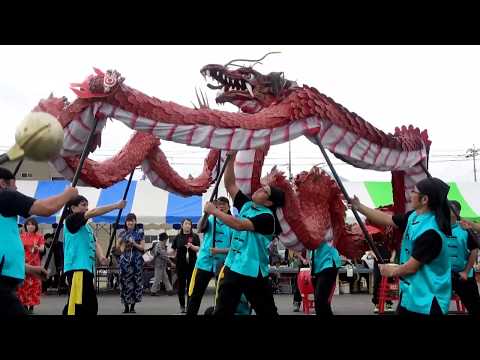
{"type": "Point", "coordinates": [119, 215]}
{"type": "Point", "coordinates": [17, 168]}
{"type": "Point", "coordinates": [75, 179]}
{"type": "Point", "coordinates": [4, 158]}
{"type": "Point", "coordinates": [457, 214]}
{"type": "Point", "coordinates": [369, 239]}
{"type": "Point", "coordinates": [217, 183]}
{"type": "Point", "coordinates": [215, 190]}
{"type": "Point", "coordinates": [215, 196]}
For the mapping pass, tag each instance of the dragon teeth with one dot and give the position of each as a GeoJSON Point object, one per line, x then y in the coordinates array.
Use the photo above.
{"type": "Point", "coordinates": [249, 88]}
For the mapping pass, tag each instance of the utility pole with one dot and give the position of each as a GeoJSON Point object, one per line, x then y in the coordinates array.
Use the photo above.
{"type": "Point", "coordinates": [290, 177]}
{"type": "Point", "coordinates": [473, 152]}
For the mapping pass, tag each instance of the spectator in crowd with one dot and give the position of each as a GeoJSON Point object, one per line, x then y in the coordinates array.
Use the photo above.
{"type": "Point", "coordinates": [131, 246]}
{"type": "Point", "coordinates": [161, 260]}
{"type": "Point", "coordinates": [388, 257]}
{"type": "Point", "coordinates": [34, 244]}
{"type": "Point", "coordinates": [59, 280]}
{"type": "Point", "coordinates": [186, 245]}
{"type": "Point", "coordinates": [52, 270]}
{"type": "Point", "coordinates": [300, 261]}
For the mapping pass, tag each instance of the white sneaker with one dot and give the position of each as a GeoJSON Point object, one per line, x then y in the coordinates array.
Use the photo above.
{"type": "Point", "coordinates": [375, 309]}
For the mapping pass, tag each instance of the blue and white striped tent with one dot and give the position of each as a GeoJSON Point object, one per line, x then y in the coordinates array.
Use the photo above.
{"type": "Point", "coordinates": [151, 204]}
{"type": "Point", "coordinates": [155, 206]}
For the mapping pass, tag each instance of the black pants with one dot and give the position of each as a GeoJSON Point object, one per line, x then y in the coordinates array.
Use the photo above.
{"type": "Point", "coordinates": [297, 297]}
{"type": "Point", "coordinates": [435, 310]}
{"type": "Point", "coordinates": [184, 275]}
{"type": "Point", "coordinates": [258, 292]}
{"type": "Point", "coordinates": [200, 283]}
{"type": "Point", "coordinates": [10, 305]}
{"type": "Point", "coordinates": [324, 284]}
{"type": "Point", "coordinates": [377, 278]}
{"type": "Point", "coordinates": [468, 293]}
{"type": "Point", "coordinates": [89, 304]}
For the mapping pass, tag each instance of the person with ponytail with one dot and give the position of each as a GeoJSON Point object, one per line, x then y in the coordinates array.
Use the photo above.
{"type": "Point", "coordinates": [424, 269]}
{"type": "Point", "coordinates": [246, 266]}
{"type": "Point", "coordinates": [81, 248]}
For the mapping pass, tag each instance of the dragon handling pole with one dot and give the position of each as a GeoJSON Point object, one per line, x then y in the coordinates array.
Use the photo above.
{"type": "Point", "coordinates": [368, 237]}
{"type": "Point", "coordinates": [119, 215]}
{"type": "Point", "coordinates": [75, 179]}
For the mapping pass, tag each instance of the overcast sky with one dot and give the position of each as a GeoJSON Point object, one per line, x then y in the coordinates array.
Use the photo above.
{"type": "Point", "coordinates": [432, 87]}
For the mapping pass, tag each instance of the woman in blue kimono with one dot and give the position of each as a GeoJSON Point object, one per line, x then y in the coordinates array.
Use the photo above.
{"type": "Point", "coordinates": [131, 264]}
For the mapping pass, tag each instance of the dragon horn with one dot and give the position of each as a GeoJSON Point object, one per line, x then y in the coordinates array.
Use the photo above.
{"type": "Point", "coordinates": [198, 97]}
{"type": "Point", "coordinates": [98, 71]}
{"type": "Point", "coordinates": [264, 56]}
{"type": "Point", "coordinates": [77, 92]}
{"type": "Point", "coordinates": [203, 98]}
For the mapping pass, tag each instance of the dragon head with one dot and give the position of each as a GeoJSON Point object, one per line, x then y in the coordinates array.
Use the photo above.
{"type": "Point", "coordinates": [99, 85]}
{"type": "Point", "coordinates": [245, 87]}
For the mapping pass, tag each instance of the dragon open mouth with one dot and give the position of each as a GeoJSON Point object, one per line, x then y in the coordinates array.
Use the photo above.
{"type": "Point", "coordinates": [228, 84]}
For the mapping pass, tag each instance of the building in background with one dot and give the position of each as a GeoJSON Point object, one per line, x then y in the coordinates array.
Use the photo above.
{"type": "Point", "coordinates": [34, 170]}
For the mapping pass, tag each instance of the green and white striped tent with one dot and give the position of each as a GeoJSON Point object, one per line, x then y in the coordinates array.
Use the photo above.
{"type": "Point", "coordinates": [378, 193]}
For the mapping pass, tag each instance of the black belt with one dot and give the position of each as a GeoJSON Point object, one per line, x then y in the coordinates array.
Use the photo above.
{"type": "Point", "coordinates": [9, 282]}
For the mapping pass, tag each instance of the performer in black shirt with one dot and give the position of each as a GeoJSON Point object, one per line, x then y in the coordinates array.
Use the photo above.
{"type": "Point", "coordinates": [12, 255]}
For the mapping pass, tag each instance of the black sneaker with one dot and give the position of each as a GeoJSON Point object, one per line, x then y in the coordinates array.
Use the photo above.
{"type": "Point", "coordinates": [296, 307]}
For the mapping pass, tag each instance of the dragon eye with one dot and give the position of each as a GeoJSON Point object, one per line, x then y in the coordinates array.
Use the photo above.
{"type": "Point", "coordinates": [249, 76]}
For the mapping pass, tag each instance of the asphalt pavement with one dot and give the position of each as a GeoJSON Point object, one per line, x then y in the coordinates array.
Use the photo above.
{"type": "Point", "coordinates": [109, 304]}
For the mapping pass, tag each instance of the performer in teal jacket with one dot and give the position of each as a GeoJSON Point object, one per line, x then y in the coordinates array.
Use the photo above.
{"type": "Point", "coordinates": [210, 256]}
{"type": "Point", "coordinates": [463, 252]}
{"type": "Point", "coordinates": [424, 270]}
{"type": "Point", "coordinates": [246, 266]}
{"type": "Point", "coordinates": [80, 250]}
{"type": "Point", "coordinates": [12, 254]}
